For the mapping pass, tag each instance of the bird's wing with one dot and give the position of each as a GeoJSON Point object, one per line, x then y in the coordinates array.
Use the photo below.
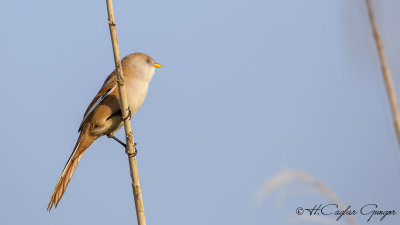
{"type": "Point", "coordinates": [108, 87]}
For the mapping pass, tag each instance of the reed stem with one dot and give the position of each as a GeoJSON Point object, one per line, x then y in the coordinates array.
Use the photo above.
{"type": "Point", "coordinates": [130, 149]}
{"type": "Point", "coordinates": [385, 71]}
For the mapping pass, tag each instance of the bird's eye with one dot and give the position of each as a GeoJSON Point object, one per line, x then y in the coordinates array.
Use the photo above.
{"type": "Point", "coordinates": [148, 60]}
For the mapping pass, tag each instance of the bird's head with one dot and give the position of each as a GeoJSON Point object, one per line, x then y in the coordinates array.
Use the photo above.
{"type": "Point", "coordinates": [141, 65]}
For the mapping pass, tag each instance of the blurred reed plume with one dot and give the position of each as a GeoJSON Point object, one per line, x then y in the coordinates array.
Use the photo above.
{"type": "Point", "coordinates": [385, 70]}
{"type": "Point", "coordinates": [289, 176]}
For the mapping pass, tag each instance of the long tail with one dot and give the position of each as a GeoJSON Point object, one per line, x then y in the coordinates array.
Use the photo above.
{"type": "Point", "coordinates": [84, 141]}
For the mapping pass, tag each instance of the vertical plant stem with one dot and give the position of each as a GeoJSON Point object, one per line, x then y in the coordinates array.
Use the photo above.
{"type": "Point", "coordinates": [130, 150]}
{"type": "Point", "coordinates": [385, 70]}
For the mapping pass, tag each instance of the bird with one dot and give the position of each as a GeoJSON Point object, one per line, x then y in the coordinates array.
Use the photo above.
{"type": "Point", "coordinates": [104, 116]}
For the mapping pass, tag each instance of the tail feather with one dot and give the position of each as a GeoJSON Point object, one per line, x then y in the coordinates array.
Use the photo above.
{"type": "Point", "coordinates": [84, 141]}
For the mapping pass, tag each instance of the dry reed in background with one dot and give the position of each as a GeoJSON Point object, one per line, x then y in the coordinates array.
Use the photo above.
{"type": "Point", "coordinates": [385, 71]}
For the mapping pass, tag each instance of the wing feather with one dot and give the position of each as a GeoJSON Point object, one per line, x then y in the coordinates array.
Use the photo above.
{"type": "Point", "coordinates": [107, 88]}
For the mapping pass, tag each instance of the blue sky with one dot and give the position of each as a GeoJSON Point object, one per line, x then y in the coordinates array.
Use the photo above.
{"type": "Point", "coordinates": [248, 88]}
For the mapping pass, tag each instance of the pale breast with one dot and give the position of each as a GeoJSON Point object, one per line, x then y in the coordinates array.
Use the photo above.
{"type": "Point", "coordinates": [136, 90]}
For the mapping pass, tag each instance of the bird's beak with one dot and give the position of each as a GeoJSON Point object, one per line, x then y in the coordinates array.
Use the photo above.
{"type": "Point", "coordinates": [157, 65]}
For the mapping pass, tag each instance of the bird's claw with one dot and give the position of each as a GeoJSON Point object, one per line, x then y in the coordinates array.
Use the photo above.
{"type": "Point", "coordinates": [129, 114]}
{"type": "Point", "coordinates": [134, 153]}
{"type": "Point", "coordinates": [125, 146]}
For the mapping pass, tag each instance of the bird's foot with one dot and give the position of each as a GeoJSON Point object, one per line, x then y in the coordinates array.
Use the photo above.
{"type": "Point", "coordinates": [125, 146]}
{"type": "Point", "coordinates": [128, 116]}
{"type": "Point", "coordinates": [134, 153]}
